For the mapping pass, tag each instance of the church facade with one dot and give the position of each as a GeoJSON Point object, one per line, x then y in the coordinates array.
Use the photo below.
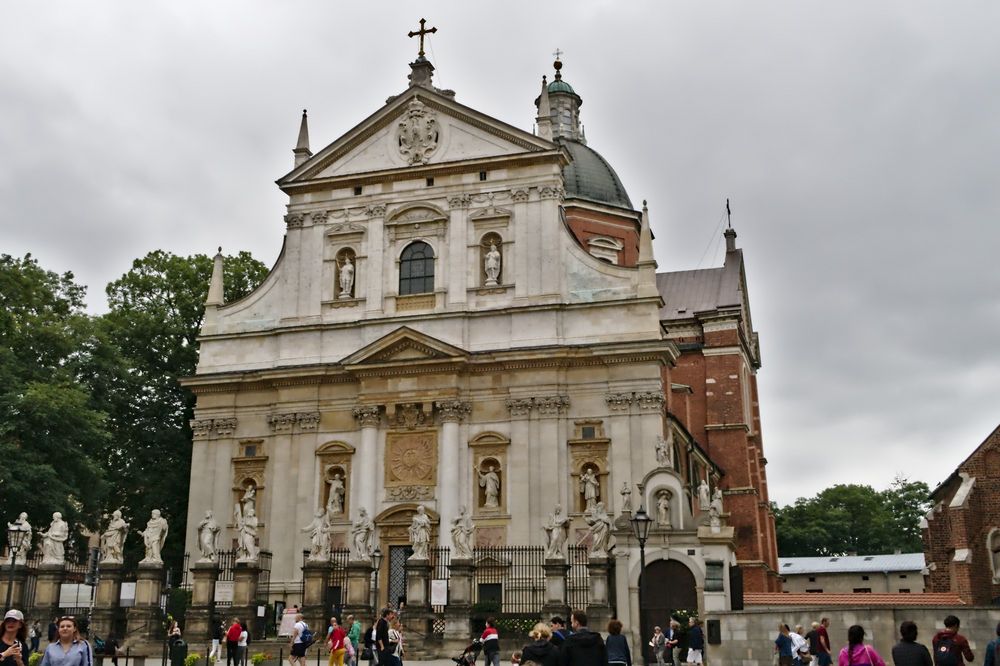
{"type": "Point", "coordinates": [467, 317]}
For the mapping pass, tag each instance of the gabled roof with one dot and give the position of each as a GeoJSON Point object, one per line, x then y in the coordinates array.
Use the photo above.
{"type": "Point", "coordinates": [686, 293]}
{"type": "Point", "coordinates": [859, 600]}
{"type": "Point", "coordinates": [954, 475]}
{"type": "Point", "coordinates": [850, 564]}
{"type": "Point", "coordinates": [404, 345]}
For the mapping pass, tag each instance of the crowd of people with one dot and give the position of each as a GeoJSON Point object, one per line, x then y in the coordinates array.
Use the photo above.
{"type": "Point", "coordinates": [66, 646]}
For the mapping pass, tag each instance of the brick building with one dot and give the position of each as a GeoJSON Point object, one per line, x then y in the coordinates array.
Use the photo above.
{"type": "Point", "coordinates": [961, 533]}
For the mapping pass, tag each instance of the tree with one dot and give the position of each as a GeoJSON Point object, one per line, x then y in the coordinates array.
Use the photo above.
{"type": "Point", "coordinates": [155, 316]}
{"type": "Point", "coordinates": [51, 431]}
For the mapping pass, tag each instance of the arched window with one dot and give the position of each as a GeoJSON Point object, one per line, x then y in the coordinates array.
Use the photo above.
{"type": "Point", "coordinates": [416, 269]}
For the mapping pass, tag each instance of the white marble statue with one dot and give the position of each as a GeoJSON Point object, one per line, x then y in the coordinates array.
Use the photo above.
{"type": "Point", "coordinates": [462, 529]}
{"type": "Point", "coordinates": [319, 538]}
{"type": "Point", "coordinates": [346, 278]}
{"type": "Point", "coordinates": [663, 453]}
{"type": "Point", "coordinates": [154, 536]}
{"type": "Point", "coordinates": [246, 543]}
{"type": "Point", "coordinates": [704, 495]}
{"type": "Point", "coordinates": [113, 539]}
{"type": "Point", "coordinates": [362, 537]}
{"type": "Point", "coordinates": [626, 493]}
{"type": "Point", "coordinates": [493, 260]}
{"type": "Point", "coordinates": [208, 537]}
{"type": "Point", "coordinates": [54, 540]}
{"type": "Point", "coordinates": [335, 502]}
{"type": "Point", "coordinates": [420, 534]}
{"type": "Point", "coordinates": [249, 499]}
{"type": "Point", "coordinates": [663, 508]}
{"type": "Point", "coordinates": [715, 506]}
{"type": "Point", "coordinates": [599, 530]}
{"type": "Point", "coordinates": [21, 524]}
{"type": "Point", "coordinates": [555, 534]}
{"type": "Point", "coordinates": [590, 487]}
{"type": "Point", "coordinates": [490, 481]}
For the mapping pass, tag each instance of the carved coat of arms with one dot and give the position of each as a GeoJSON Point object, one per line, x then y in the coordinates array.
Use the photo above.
{"type": "Point", "coordinates": [418, 133]}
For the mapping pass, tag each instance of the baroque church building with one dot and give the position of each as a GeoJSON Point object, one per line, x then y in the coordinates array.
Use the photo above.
{"type": "Point", "coordinates": [468, 318]}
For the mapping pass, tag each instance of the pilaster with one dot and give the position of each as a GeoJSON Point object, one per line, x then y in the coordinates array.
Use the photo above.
{"type": "Point", "coordinates": [359, 577]}
{"type": "Point", "coordinates": [16, 580]}
{"type": "Point", "coordinates": [555, 588]}
{"type": "Point", "coordinates": [418, 603]}
{"type": "Point", "coordinates": [246, 577]}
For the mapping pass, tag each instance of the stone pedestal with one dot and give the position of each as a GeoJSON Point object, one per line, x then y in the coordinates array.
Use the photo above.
{"type": "Point", "coordinates": [19, 576]}
{"type": "Point", "coordinates": [198, 619]}
{"type": "Point", "coordinates": [457, 625]}
{"type": "Point", "coordinates": [315, 580]}
{"type": "Point", "coordinates": [246, 576]}
{"type": "Point", "coordinates": [107, 598]}
{"type": "Point", "coordinates": [555, 588]}
{"type": "Point", "coordinates": [49, 579]}
{"type": "Point", "coordinates": [598, 604]}
{"type": "Point", "coordinates": [418, 596]}
{"type": "Point", "coordinates": [145, 618]}
{"type": "Point", "coordinates": [359, 577]}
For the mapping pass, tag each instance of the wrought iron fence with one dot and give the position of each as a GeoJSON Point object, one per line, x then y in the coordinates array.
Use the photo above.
{"type": "Point", "coordinates": [509, 580]}
{"type": "Point", "coordinates": [577, 577]}
{"type": "Point", "coordinates": [440, 559]}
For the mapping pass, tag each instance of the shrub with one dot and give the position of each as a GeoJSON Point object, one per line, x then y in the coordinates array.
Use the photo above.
{"type": "Point", "coordinates": [191, 659]}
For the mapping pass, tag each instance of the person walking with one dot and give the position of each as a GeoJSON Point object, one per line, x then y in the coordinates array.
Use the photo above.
{"type": "Point", "coordinates": [558, 626]}
{"type": "Point", "coordinates": [783, 645]}
{"type": "Point", "coordinates": [35, 635]}
{"type": "Point", "coordinates": [673, 636]}
{"type": "Point", "coordinates": [68, 649]}
{"type": "Point", "coordinates": [242, 643]}
{"type": "Point", "coordinates": [992, 648]}
{"type": "Point", "coordinates": [583, 647]}
{"type": "Point", "coordinates": [541, 650]}
{"type": "Point", "coordinates": [696, 642]}
{"type": "Point", "coordinates": [354, 636]}
{"type": "Point", "coordinates": [301, 639]}
{"type": "Point", "coordinates": [384, 651]}
{"type": "Point", "coordinates": [335, 642]}
{"type": "Point", "coordinates": [232, 642]}
{"type": "Point", "coordinates": [950, 647]}
{"type": "Point", "coordinates": [856, 653]}
{"type": "Point", "coordinates": [218, 631]}
{"type": "Point", "coordinates": [112, 647]}
{"type": "Point", "coordinates": [799, 645]}
{"type": "Point", "coordinates": [658, 643]}
{"type": "Point", "coordinates": [908, 652]}
{"type": "Point", "coordinates": [491, 643]}
{"type": "Point", "coordinates": [824, 655]}
{"type": "Point", "coordinates": [617, 645]}
{"type": "Point", "coordinates": [13, 645]}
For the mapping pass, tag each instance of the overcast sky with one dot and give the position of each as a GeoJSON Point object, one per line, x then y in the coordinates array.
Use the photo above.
{"type": "Point", "coordinates": [859, 143]}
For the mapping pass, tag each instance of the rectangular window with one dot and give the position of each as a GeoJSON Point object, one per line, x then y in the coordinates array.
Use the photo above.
{"type": "Point", "coordinates": [482, 175]}
{"type": "Point", "coordinates": [819, 591]}
{"type": "Point", "coordinates": [430, 181]}
{"type": "Point", "coordinates": [864, 578]}
{"type": "Point", "coordinates": [588, 432]}
{"type": "Point", "coordinates": [862, 590]}
{"type": "Point", "coordinates": [713, 576]}
{"type": "Point", "coordinates": [250, 450]}
{"type": "Point", "coordinates": [812, 579]}
{"type": "Point", "coordinates": [904, 590]}
{"type": "Point", "coordinates": [902, 575]}
{"type": "Point", "coordinates": [357, 191]}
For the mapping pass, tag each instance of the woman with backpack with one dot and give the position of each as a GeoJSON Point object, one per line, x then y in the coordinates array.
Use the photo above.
{"type": "Point", "coordinates": [856, 653]}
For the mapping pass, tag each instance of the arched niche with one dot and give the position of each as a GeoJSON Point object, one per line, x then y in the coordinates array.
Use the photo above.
{"type": "Point", "coordinates": [394, 523]}
{"type": "Point", "coordinates": [492, 260]}
{"type": "Point", "coordinates": [654, 485]}
{"type": "Point", "coordinates": [993, 551]}
{"type": "Point", "coordinates": [334, 458]}
{"type": "Point", "coordinates": [346, 279]}
{"type": "Point", "coordinates": [489, 449]}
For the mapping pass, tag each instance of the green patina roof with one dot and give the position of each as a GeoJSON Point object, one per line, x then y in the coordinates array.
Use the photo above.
{"type": "Point", "coordinates": [561, 86]}
{"type": "Point", "coordinates": [589, 176]}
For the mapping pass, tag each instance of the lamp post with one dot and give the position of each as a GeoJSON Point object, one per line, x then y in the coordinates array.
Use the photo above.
{"type": "Point", "coordinates": [15, 541]}
{"type": "Point", "coordinates": [640, 530]}
{"type": "Point", "coordinates": [377, 563]}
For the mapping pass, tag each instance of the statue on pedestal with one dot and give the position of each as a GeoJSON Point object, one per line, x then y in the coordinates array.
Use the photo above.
{"type": "Point", "coordinates": [319, 538]}
{"type": "Point", "coordinates": [208, 538]}
{"type": "Point", "coordinates": [246, 528]}
{"type": "Point", "coordinates": [153, 537]}
{"type": "Point", "coordinates": [346, 278]}
{"type": "Point", "coordinates": [54, 540]}
{"type": "Point", "coordinates": [626, 493]}
{"type": "Point", "coordinates": [704, 493]}
{"type": "Point", "coordinates": [663, 508]}
{"type": "Point", "coordinates": [715, 507]}
{"type": "Point", "coordinates": [590, 487]}
{"type": "Point", "coordinates": [249, 499]}
{"type": "Point", "coordinates": [490, 481]}
{"type": "Point", "coordinates": [555, 534]}
{"type": "Point", "coordinates": [600, 530]}
{"type": "Point", "coordinates": [362, 537]}
{"type": "Point", "coordinates": [335, 503]}
{"type": "Point", "coordinates": [663, 453]}
{"type": "Point", "coordinates": [113, 539]}
{"type": "Point", "coordinates": [461, 534]}
{"type": "Point", "coordinates": [493, 260]}
{"type": "Point", "coordinates": [21, 524]}
{"type": "Point", "coordinates": [420, 534]}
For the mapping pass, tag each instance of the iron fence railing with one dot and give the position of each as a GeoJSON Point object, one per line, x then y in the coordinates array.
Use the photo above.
{"type": "Point", "coordinates": [577, 577]}
{"type": "Point", "coordinates": [509, 580]}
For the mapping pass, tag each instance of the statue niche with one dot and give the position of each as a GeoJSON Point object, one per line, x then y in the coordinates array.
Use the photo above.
{"type": "Point", "coordinates": [491, 259]}
{"type": "Point", "coordinates": [589, 490]}
{"type": "Point", "coordinates": [346, 272]}
{"type": "Point", "coordinates": [490, 483]}
{"type": "Point", "coordinates": [334, 492]}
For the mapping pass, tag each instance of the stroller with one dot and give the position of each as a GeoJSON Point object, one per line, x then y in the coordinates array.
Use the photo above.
{"type": "Point", "coordinates": [470, 654]}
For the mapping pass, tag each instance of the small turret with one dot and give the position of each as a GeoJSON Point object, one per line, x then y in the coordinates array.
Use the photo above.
{"type": "Point", "coordinates": [216, 287]}
{"type": "Point", "coordinates": [301, 151]}
{"type": "Point", "coordinates": [564, 107]}
{"type": "Point", "coordinates": [646, 263]}
{"type": "Point", "coordinates": [730, 235]}
{"type": "Point", "coordinates": [544, 118]}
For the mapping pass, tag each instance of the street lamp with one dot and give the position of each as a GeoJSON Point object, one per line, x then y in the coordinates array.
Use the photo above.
{"type": "Point", "coordinates": [377, 563]}
{"type": "Point", "coordinates": [15, 541]}
{"type": "Point", "coordinates": [640, 530]}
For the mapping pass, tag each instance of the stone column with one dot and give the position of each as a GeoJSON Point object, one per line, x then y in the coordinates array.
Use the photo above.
{"type": "Point", "coordinates": [555, 588]}
{"type": "Point", "coordinates": [199, 615]}
{"type": "Point", "coordinates": [598, 605]}
{"type": "Point", "coordinates": [365, 484]}
{"type": "Point", "coordinates": [19, 577]}
{"type": "Point", "coordinates": [458, 626]}
{"type": "Point", "coordinates": [359, 578]}
{"type": "Point", "coordinates": [145, 617]}
{"type": "Point", "coordinates": [107, 598]}
{"type": "Point", "coordinates": [452, 412]}
{"type": "Point", "coordinates": [315, 580]}
{"type": "Point", "coordinates": [418, 601]}
{"type": "Point", "coordinates": [246, 576]}
{"type": "Point", "coordinates": [48, 581]}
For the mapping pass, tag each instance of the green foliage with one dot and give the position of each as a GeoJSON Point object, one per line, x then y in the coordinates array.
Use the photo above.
{"type": "Point", "coordinates": [192, 659]}
{"type": "Point", "coordinates": [853, 518]}
{"type": "Point", "coordinates": [258, 658]}
{"type": "Point", "coordinates": [34, 658]}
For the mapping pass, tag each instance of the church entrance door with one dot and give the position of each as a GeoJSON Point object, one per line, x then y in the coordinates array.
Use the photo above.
{"type": "Point", "coordinates": [396, 585]}
{"type": "Point", "coordinates": [668, 586]}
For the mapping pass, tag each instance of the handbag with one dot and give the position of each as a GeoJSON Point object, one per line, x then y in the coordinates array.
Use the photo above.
{"type": "Point", "coordinates": [366, 653]}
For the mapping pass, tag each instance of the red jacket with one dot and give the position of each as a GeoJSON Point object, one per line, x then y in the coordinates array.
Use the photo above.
{"type": "Point", "coordinates": [961, 644]}
{"type": "Point", "coordinates": [233, 634]}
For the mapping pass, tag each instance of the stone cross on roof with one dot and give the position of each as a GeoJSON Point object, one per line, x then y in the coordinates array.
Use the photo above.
{"type": "Point", "coordinates": [421, 33]}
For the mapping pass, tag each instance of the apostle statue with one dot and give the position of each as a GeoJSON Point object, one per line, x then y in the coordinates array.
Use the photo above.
{"type": "Point", "coordinates": [113, 539]}
{"type": "Point", "coordinates": [555, 534]}
{"type": "Point", "coordinates": [493, 260]}
{"type": "Point", "coordinates": [208, 537]}
{"type": "Point", "coordinates": [319, 538]}
{"type": "Point", "coordinates": [21, 524]}
{"type": "Point", "coordinates": [715, 507]}
{"type": "Point", "coordinates": [153, 537]}
{"type": "Point", "coordinates": [420, 534]}
{"type": "Point", "coordinates": [249, 499]}
{"type": "Point", "coordinates": [335, 503]}
{"type": "Point", "coordinates": [346, 278]}
{"type": "Point", "coordinates": [626, 493]}
{"type": "Point", "coordinates": [490, 481]}
{"type": "Point", "coordinates": [462, 530]}
{"type": "Point", "coordinates": [663, 453]}
{"type": "Point", "coordinates": [362, 537]}
{"type": "Point", "coordinates": [246, 543]}
{"type": "Point", "coordinates": [704, 493]}
{"type": "Point", "coordinates": [599, 530]}
{"type": "Point", "coordinates": [54, 540]}
{"type": "Point", "coordinates": [663, 508]}
{"type": "Point", "coordinates": [590, 486]}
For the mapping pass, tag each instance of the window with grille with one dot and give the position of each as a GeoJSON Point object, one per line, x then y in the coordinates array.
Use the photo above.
{"type": "Point", "coordinates": [416, 269]}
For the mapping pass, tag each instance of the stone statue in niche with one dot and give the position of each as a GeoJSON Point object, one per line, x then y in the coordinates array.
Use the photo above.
{"type": "Point", "coordinates": [54, 540]}
{"type": "Point", "coordinates": [208, 537]}
{"type": "Point", "coordinates": [489, 481]}
{"type": "Point", "coordinates": [704, 495]}
{"type": "Point", "coordinates": [335, 502]}
{"type": "Point", "coordinates": [663, 508]}
{"type": "Point", "coordinates": [249, 499]}
{"type": "Point", "coordinates": [113, 539]}
{"type": "Point", "coordinates": [492, 265]}
{"type": "Point", "coordinates": [599, 531]}
{"type": "Point", "coordinates": [153, 537]}
{"type": "Point", "coordinates": [346, 278]}
{"type": "Point", "coordinates": [246, 544]}
{"type": "Point", "coordinates": [626, 493]}
{"type": "Point", "coordinates": [715, 507]}
{"type": "Point", "coordinates": [362, 537]}
{"type": "Point", "coordinates": [590, 487]}
{"type": "Point", "coordinates": [555, 534]}
{"type": "Point", "coordinates": [461, 534]}
{"type": "Point", "coordinates": [663, 453]}
{"type": "Point", "coordinates": [420, 534]}
{"type": "Point", "coordinates": [319, 538]}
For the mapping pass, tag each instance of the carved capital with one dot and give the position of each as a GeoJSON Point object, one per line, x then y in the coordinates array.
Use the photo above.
{"type": "Point", "coordinates": [650, 400]}
{"type": "Point", "coordinates": [224, 427]}
{"type": "Point", "coordinates": [201, 428]}
{"type": "Point", "coordinates": [320, 216]}
{"type": "Point", "coordinates": [294, 220]}
{"type": "Point", "coordinates": [551, 193]}
{"type": "Point", "coordinates": [519, 406]}
{"type": "Point", "coordinates": [281, 422]}
{"type": "Point", "coordinates": [375, 210]}
{"type": "Point", "coordinates": [553, 404]}
{"type": "Point", "coordinates": [307, 420]}
{"type": "Point", "coordinates": [453, 410]}
{"type": "Point", "coordinates": [618, 402]}
{"type": "Point", "coordinates": [519, 195]}
{"type": "Point", "coordinates": [367, 415]}
{"type": "Point", "coordinates": [460, 201]}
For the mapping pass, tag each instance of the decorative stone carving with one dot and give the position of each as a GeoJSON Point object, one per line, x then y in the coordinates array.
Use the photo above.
{"type": "Point", "coordinates": [715, 506]}
{"type": "Point", "coordinates": [294, 220]}
{"type": "Point", "coordinates": [704, 496]}
{"type": "Point", "coordinates": [249, 498]}
{"type": "Point", "coordinates": [626, 493]}
{"type": "Point", "coordinates": [153, 537]}
{"type": "Point", "coordinates": [411, 460]}
{"type": "Point", "coordinates": [417, 133]}
{"type": "Point", "coordinates": [246, 530]}
{"type": "Point", "coordinates": [590, 488]}
{"type": "Point", "coordinates": [346, 228]}
{"type": "Point", "coordinates": [649, 400]}
{"type": "Point", "coordinates": [362, 537]}
{"type": "Point", "coordinates": [54, 540]}
{"type": "Point", "coordinates": [551, 192]}
{"type": "Point", "coordinates": [346, 278]}
{"type": "Point", "coordinates": [201, 428]}
{"type": "Point", "coordinates": [335, 503]}
{"type": "Point", "coordinates": [319, 538]}
{"type": "Point", "coordinates": [307, 420]}
{"type": "Point", "coordinates": [409, 415]}
{"type": "Point", "coordinates": [420, 534]}
{"type": "Point", "coordinates": [367, 415]}
{"type": "Point", "coordinates": [599, 531]}
{"type": "Point", "coordinates": [553, 404]}
{"type": "Point", "coordinates": [208, 538]}
{"type": "Point", "coordinates": [664, 453]}
{"type": "Point", "coordinates": [319, 216]}
{"type": "Point", "coordinates": [462, 531]}
{"type": "Point", "coordinates": [453, 410]}
{"type": "Point", "coordinates": [113, 539]}
{"type": "Point", "coordinates": [519, 195]}
{"type": "Point", "coordinates": [663, 508]}
{"type": "Point", "coordinates": [519, 406]}
{"type": "Point", "coordinates": [490, 482]}
{"type": "Point", "coordinates": [409, 493]}
{"type": "Point", "coordinates": [224, 427]}
{"type": "Point", "coordinates": [375, 210]}
{"type": "Point", "coordinates": [281, 422]}
{"type": "Point", "coordinates": [492, 265]}
{"type": "Point", "coordinates": [21, 524]}
{"type": "Point", "coordinates": [618, 401]}
{"type": "Point", "coordinates": [460, 201]}
{"type": "Point", "coordinates": [555, 534]}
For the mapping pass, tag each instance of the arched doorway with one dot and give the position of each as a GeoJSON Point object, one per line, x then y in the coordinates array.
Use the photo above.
{"type": "Point", "coordinates": [668, 586]}
{"type": "Point", "coordinates": [394, 540]}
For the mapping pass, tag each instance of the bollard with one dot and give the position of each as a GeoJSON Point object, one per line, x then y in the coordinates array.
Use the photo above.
{"type": "Point", "coordinates": [281, 652]}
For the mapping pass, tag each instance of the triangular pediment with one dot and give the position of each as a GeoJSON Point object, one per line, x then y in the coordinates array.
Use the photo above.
{"type": "Point", "coordinates": [418, 128]}
{"type": "Point", "coordinates": [404, 345]}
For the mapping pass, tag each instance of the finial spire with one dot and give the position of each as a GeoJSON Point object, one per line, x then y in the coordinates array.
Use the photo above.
{"type": "Point", "coordinates": [216, 286]}
{"type": "Point", "coordinates": [301, 151]}
{"type": "Point", "coordinates": [421, 33]}
{"type": "Point", "coordinates": [544, 118]}
{"type": "Point", "coordinates": [646, 264]}
{"type": "Point", "coordinates": [729, 233]}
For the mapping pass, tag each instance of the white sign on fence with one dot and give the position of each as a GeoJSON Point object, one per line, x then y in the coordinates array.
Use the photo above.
{"type": "Point", "coordinates": [439, 593]}
{"type": "Point", "coordinates": [224, 591]}
{"type": "Point", "coordinates": [127, 597]}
